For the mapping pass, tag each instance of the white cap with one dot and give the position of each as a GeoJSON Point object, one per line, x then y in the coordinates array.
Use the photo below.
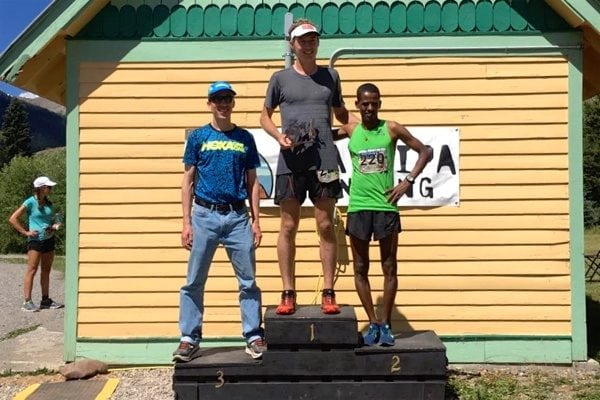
{"type": "Point", "coordinates": [302, 30]}
{"type": "Point", "coordinates": [43, 181]}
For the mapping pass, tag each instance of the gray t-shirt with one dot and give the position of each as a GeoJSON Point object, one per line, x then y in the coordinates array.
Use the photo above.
{"type": "Point", "coordinates": [305, 103]}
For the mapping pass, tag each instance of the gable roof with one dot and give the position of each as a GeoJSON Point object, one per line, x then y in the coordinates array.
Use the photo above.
{"type": "Point", "coordinates": [36, 60]}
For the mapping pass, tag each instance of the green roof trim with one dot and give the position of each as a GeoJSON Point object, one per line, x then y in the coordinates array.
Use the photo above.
{"type": "Point", "coordinates": [588, 10]}
{"type": "Point", "coordinates": [398, 18]}
{"type": "Point", "coordinates": [41, 31]}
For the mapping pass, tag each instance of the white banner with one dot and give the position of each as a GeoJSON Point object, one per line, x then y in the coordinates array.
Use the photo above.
{"type": "Point", "coordinates": [437, 185]}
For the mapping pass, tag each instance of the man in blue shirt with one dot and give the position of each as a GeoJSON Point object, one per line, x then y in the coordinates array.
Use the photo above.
{"type": "Point", "coordinates": [219, 175]}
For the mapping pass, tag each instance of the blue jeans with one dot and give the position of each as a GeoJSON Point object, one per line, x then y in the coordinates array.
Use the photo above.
{"type": "Point", "coordinates": [234, 231]}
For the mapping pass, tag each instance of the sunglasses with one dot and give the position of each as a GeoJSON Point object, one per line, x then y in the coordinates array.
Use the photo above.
{"type": "Point", "coordinates": [227, 99]}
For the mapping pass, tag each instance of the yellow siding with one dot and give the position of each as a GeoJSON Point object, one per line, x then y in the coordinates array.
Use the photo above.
{"type": "Point", "coordinates": [404, 298]}
{"type": "Point", "coordinates": [497, 264]}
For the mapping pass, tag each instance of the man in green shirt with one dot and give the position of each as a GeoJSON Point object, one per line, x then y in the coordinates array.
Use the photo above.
{"type": "Point", "coordinates": [372, 211]}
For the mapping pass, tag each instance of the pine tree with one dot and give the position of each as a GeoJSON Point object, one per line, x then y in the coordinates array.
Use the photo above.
{"type": "Point", "coordinates": [15, 137]}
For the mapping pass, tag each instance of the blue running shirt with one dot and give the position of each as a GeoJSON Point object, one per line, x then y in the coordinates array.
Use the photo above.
{"type": "Point", "coordinates": [221, 160]}
{"type": "Point", "coordinates": [39, 218]}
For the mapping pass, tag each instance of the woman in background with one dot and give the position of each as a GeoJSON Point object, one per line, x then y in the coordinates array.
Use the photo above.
{"type": "Point", "coordinates": [42, 223]}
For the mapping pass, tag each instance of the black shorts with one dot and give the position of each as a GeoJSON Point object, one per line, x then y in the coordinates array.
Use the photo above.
{"type": "Point", "coordinates": [295, 186]}
{"type": "Point", "coordinates": [379, 224]}
{"type": "Point", "coordinates": [42, 246]}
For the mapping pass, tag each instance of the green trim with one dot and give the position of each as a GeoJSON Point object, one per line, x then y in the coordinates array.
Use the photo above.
{"type": "Point", "coordinates": [588, 10]}
{"type": "Point", "coordinates": [72, 238]}
{"type": "Point", "coordinates": [55, 17]}
{"type": "Point", "coordinates": [576, 228]}
{"type": "Point", "coordinates": [399, 18]}
{"type": "Point", "coordinates": [155, 351]}
{"type": "Point", "coordinates": [500, 338]}
{"type": "Point", "coordinates": [522, 349]}
{"type": "Point", "coordinates": [373, 18]}
{"type": "Point", "coordinates": [472, 349]}
{"type": "Point", "coordinates": [234, 50]}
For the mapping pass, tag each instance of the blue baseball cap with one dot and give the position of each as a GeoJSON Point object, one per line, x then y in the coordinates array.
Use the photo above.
{"type": "Point", "coordinates": [219, 86]}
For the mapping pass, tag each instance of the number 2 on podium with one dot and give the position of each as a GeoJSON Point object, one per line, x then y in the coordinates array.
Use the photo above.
{"type": "Point", "coordinates": [395, 364]}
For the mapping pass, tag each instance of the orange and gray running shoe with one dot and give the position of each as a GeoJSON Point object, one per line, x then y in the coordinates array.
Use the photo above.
{"type": "Point", "coordinates": [328, 304]}
{"type": "Point", "coordinates": [288, 303]}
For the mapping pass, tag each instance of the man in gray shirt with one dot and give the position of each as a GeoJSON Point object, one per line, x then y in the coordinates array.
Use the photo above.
{"type": "Point", "coordinates": [306, 94]}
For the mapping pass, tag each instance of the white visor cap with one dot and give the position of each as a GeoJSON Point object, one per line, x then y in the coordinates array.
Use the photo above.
{"type": "Point", "coordinates": [302, 30]}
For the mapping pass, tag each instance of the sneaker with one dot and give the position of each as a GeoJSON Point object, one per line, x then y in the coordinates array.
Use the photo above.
{"type": "Point", "coordinates": [328, 304]}
{"type": "Point", "coordinates": [29, 306]}
{"type": "Point", "coordinates": [288, 303]}
{"type": "Point", "coordinates": [256, 348]}
{"type": "Point", "coordinates": [386, 337]}
{"type": "Point", "coordinates": [372, 336]}
{"type": "Point", "coordinates": [50, 304]}
{"type": "Point", "coordinates": [186, 352]}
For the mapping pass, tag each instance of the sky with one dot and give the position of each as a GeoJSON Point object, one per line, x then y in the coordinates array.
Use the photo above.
{"type": "Point", "coordinates": [15, 17]}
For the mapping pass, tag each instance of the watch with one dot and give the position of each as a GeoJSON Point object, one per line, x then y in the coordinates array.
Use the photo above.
{"type": "Point", "coordinates": [410, 179]}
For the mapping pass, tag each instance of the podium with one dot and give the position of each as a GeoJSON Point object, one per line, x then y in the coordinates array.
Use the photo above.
{"type": "Point", "coordinates": [313, 356]}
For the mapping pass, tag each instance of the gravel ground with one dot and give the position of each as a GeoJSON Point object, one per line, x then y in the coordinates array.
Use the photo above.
{"type": "Point", "coordinates": [11, 298]}
{"type": "Point", "coordinates": [134, 384]}
{"type": "Point", "coordinates": [549, 382]}
{"type": "Point", "coordinates": [156, 383]}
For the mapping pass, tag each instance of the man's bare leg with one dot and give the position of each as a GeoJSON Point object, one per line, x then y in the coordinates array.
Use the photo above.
{"type": "Point", "coordinates": [286, 254]}
{"type": "Point", "coordinates": [328, 241]}
{"type": "Point", "coordinates": [286, 242]}
{"type": "Point", "coordinates": [328, 250]}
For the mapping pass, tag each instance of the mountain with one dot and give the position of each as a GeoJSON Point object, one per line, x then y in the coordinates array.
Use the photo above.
{"type": "Point", "coordinates": [46, 120]}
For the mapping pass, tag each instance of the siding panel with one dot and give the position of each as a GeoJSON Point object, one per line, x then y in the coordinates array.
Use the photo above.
{"type": "Point", "coordinates": [404, 298]}
{"type": "Point", "coordinates": [497, 264]}
{"type": "Point", "coordinates": [270, 269]}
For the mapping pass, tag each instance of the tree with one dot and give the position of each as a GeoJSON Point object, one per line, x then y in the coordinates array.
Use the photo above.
{"type": "Point", "coordinates": [591, 161]}
{"type": "Point", "coordinates": [16, 181]}
{"type": "Point", "coordinates": [15, 139]}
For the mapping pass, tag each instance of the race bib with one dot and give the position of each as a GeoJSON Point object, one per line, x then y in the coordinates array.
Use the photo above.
{"type": "Point", "coordinates": [328, 176]}
{"type": "Point", "coordinates": [372, 161]}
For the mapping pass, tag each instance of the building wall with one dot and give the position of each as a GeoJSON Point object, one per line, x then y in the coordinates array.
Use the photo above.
{"type": "Point", "coordinates": [496, 265]}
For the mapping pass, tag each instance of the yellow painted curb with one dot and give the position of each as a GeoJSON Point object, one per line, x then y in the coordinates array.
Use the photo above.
{"type": "Point", "coordinates": [23, 394]}
{"type": "Point", "coordinates": [108, 389]}
{"type": "Point", "coordinates": [143, 367]}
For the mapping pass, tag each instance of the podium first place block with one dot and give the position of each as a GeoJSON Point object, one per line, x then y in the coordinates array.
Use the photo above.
{"type": "Point", "coordinates": [309, 328]}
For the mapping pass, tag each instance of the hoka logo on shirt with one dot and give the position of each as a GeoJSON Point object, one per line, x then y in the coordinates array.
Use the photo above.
{"type": "Point", "coordinates": [216, 145]}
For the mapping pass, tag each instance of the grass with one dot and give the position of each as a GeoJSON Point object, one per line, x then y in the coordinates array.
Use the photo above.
{"type": "Point", "coordinates": [592, 241]}
{"type": "Point", "coordinates": [489, 387]}
{"type": "Point", "coordinates": [19, 332]}
{"type": "Point", "coordinates": [502, 385]}
{"type": "Point", "coordinates": [533, 386]}
{"type": "Point", "coordinates": [41, 371]}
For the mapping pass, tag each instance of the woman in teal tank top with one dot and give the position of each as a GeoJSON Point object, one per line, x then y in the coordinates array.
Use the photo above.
{"type": "Point", "coordinates": [42, 222]}
{"type": "Point", "coordinates": [372, 209]}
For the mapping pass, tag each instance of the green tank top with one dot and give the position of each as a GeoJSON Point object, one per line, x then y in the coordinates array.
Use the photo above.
{"type": "Point", "coordinates": [372, 154]}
